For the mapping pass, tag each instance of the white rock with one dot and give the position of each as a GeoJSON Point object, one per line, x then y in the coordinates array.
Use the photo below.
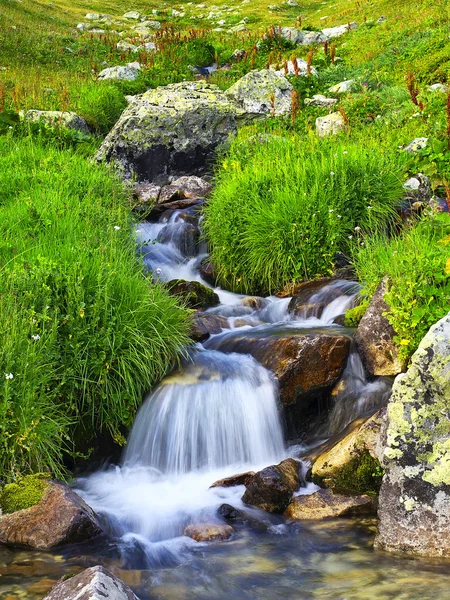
{"type": "Point", "coordinates": [439, 87]}
{"type": "Point", "coordinates": [132, 15]}
{"type": "Point", "coordinates": [126, 46]}
{"type": "Point", "coordinates": [302, 67]}
{"type": "Point", "coordinates": [321, 101]}
{"type": "Point", "coordinates": [120, 73]}
{"type": "Point", "coordinates": [333, 32]}
{"type": "Point", "coordinates": [416, 144]}
{"type": "Point", "coordinates": [343, 87]}
{"type": "Point", "coordinates": [330, 124]}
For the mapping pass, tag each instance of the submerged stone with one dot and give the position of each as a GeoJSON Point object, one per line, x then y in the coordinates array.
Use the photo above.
{"type": "Point", "coordinates": [325, 504]}
{"type": "Point", "coordinates": [209, 533]}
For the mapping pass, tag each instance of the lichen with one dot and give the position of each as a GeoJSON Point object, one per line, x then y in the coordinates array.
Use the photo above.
{"type": "Point", "coordinates": [24, 493]}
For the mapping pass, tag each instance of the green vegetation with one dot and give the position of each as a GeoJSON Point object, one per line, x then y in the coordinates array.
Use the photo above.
{"type": "Point", "coordinates": [354, 315]}
{"type": "Point", "coordinates": [24, 493]}
{"type": "Point", "coordinates": [361, 475]}
{"type": "Point", "coordinates": [83, 334]}
{"type": "Point", "coordinates": [284, 206]}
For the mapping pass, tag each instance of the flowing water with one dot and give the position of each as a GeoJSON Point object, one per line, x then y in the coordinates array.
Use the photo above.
{"type": "Point", "coordinates": [219, 415]}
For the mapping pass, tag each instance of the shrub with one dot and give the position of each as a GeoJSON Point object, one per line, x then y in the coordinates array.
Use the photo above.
{"type": "Point", "coordinates": [83, 334]}
{"type": "Point", "coordinates": [418, 266]}
{"type": "Point", "coordinates": [283, 207]}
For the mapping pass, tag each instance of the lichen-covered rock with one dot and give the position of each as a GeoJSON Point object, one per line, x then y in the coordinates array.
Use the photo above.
{"type": "Point", "coordinates": [353, 464]}
{"type": "Point", "coordinates": [342, 87]}
{"type": "Point", "coordinates": [133, 15]}
{"type": "Point", "coordinates": [375, 337]}
{"type": "Point", "coordinates": [321, 101]}
{"type": "Point", "coordinates": [195, 294]}
{"type": "Point", "coordinates": [92, 584]}
{"type": "Point", "coordinates": [414, 502]}
{"type": "Point", "coordinates": [260, 94]}
{"type": "Point", "coordinates": [416, 145]}
{"type": "Point", "coordinates": [334, 32]}
{"type": "Point", "coordinates": [119, 73]}
{"type": "Point", "coordinates": [209, 533]}
{"type": "Point", "coordinates": [330, 124]}
{"type": "Point", "coordinates": [125, 46]}
{"type": "Point", "coordinates": [173, 130]}
{"type": "Point", "coordinates": [60, 517]}
{"type": "Point", "coordinates": [325, 504]}
{"type": "Point", "coordinates": [272, 488]}
{"type": "Point", "coordinates": [56, 118]}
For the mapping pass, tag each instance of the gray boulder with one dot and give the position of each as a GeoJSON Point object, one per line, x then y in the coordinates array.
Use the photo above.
{"type": "Point", "coordinates": [321, 101]}
{"type": "Point", "coordinates": [330, 124]}
{"type": "Point", "coordinates": [414, 502]}
{"type": "Point", "coordinates": [334, 32]}
{"type": "Point", "coordinates": [342, 87]}
{"type": "Point", "coordinates": [56, 118]}
{"type": "Point", "coordinates": [119, 73]}
{"type": "Point", "coordinates": [92, 584]}
{"type": "Point", "coordinates": [170, 131]}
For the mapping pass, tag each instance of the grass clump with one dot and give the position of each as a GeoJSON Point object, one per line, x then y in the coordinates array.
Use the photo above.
{"type": "Point", "coordinates": [24, 493]}
{"type": "Point", "coordinates": [284, 206]}
{"type": "Point", "coordinates": [417, 263]}
{"type": "Point", "coordinates": [83, 334]}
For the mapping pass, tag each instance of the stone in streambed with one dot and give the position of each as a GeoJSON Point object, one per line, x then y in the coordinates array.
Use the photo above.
{"type": "Point", "coordinates": [207, 272]}
{"type": "Point", "coordinates": [94, 583]}
{"type": "Point", "coordinates": [206, 324]}
{"type": "Point", "coordinates": [209, 532]}
{"type": "Point", "coordinates": [272, 488]}
{"type": "Point", "coordinates": [60, 517]}
{"type": "Point", "coordinates": [326, 504]}
{"type": "Point", "coordinates": [195, 294]}
{"type": "Point", "coordinates": [240, 479]}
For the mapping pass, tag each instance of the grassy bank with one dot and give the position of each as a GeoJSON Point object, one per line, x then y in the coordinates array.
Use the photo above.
{"type": "Point", "coordinates": [83, 334]}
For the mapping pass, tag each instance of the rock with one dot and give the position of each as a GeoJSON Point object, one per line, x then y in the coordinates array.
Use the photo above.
{"type": "Point", "coordinates": [193, 293]}
{"type": "Point", "coordinates": [333, 32]}
{"type": "Point", "coordinates": [353, 464]}
{"type": "Point", "coordinates": [238, 55]}
{"type": "Point", "coordinates": [61, 517]}
{"type": "Point", "coordinates": [320, 101]}
{"type": "Point", "coordinates": [172, 130]}
{"type": "Point", "coordinates": [309, 298]}
{"type": "Point", "coordinates": [148, 47]}
{"type": "Point", "coordinates": [241, 479]}
{"type": "Point", "coordinates": [132, 15]}
{"type": "Point", "coordinates": [272, 488]}
{"type": "Point", "coordinates": [414, 502]}
{"type": "Point", "coordinates": [306, 365]}
{"type": "Point", "coordinates": [91, 584]}
{"type": "Point", "coordinates": [439, 87]}
{"type": "Point", "coordinates": [229, 513]}
{"type": "Point", "coordinates": [330, 124]}
{"type": "Point", "coordinates": [147, 194]}
{"type": "Point", "coordinates": [124, 46]}
{"type": "Point", "coordinates": [310, 38]}
{"type": "Point", "coordinates": [239, 28]}
{"type": "Point", "coordinates": [290, 34]}
{"type": "Point", "coordinates": [374, 338]}
{"type": "Point", "coordinates": [325, 504]}
{"type": "Point", "coordinates": [416, 145]}
{"type": "Point", "coordinates": [302, 69]}
{"type": "Point", "coordinates": [183, 188]}
{"type": "Point", "coordinates": [185, 238]}
{"type": "Point", "coordinates": [418, 195]}
{"type": "Point", "coordinates": [252, 95]}
{"type": "Point", "coordinates": [209, 533]}
{"type": "Point", "coordinates": [207, 272]}
{"type": "Point", "coordinates": [56, 118]}
{"type": "Point", "coordinates": [381, 20]}
{"type": "Point", "coordinates": [206, 324]}
{"type": "Point", "coordinates": [343, 87]}
{"type": "Point", "coordinates": [119, 73]}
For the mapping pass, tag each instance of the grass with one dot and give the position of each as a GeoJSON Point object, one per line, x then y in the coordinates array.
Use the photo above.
{"type": "Point", "coordinates": [83, 334]}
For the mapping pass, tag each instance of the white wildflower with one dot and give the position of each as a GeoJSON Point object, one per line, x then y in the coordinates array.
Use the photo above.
{"type": "Point", "coordinates": [9, 376]}
{"type": "Point", "coordinates": [350, 237]}
{"type": "Point", "coordinates": [357, 228]}
{"type": "Point", "coordinates": [116, 227]}
{"type": "Point", "coordinates": [36, 337]}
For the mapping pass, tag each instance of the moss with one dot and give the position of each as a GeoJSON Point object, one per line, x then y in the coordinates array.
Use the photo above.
{"type": "Point", "coordinates": [24, 493]}
{"type": "Point", "coordinates": [354, 315]}
{"type": "Point", "coordinates": [362, 475]}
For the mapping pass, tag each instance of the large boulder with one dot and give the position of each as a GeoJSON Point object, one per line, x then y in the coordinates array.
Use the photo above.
{"type": "Point", "coordinates": [304, 364]}
{"type": "Point", "coordinates": [239, 479]}
{"type": "Point", "coordinates": [261, 94]}
{"type": "Point", "coordinates": [326, 504]}
{"type": "Point", "coordinates": [375, 337]}
{"type": "Point", "coordinates": [91, 584]}
{"type": "Point", "coordinates": [353, 464]}
{"type": "Point", "coordinates": [60, 517]}
{"type": "Point", "coordinates": [170, 131]}
{"type": "Point", "coordinates": [56, 118]}
{"type": "Point", "coordinates": [272, 488]}
{"type": "Point", "coordinates": [414, 501]}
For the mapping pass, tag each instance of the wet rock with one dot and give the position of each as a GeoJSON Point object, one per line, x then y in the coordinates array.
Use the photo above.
{"type": "Point", "coordinates": [61, 517]}
{"type": "Point", "coordinates": [185, 239]}
{"type": "Point", "coordinates": [306, 289]}
{"type": "Point", "coordinates": [240, 479]}
{"type": "Point", "coordinates": [175, 205]}
{"type": "Point", "coordinates": [207, 272]}
{"type": "Point", "coordinates": [251, 95]}
{"type": "Point", "coordinates": [56, 118]}
{"type": "Point", "coordinates": [209, 533]}
{"type": "Point", "coordinates": [321, 101]}
{"type": "Point", "coordinates": [272, 488]}
{"type": "Point", "coordinates": [342, 87]}
{"type": "Point", "coordinates": [195, 294]}
{"type": "Point", "coordinates": [206, 324]}
{"type": "Point", "coordinates": [187, 187]}
{"type": "Point", "coordinates": [325, 504]}
{"type": "Point", "coordinates": [375, 337]}
{"type": "Point", "coordinates": [92, 584]}
{"type": "Point", "coordinates": [170, 131]}
{"type": "Point", "coordinates": [414, 501]}
{"type": "Point", "coordinates": [353, 464]}
{"type": "Point", "coordinates": [330, 124]}
{"type": "Point", "coordinates": [305, 365]}
{"type": "Point", "coordinates": [229, 513]}
{"type": "Point", "coordinates": [146, 194]}
{"type": "Point", "coordinates": [253, 302]}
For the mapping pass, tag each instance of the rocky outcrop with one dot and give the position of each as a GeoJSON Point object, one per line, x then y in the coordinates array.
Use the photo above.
{"type": "Point", "coordinates": [170, 131]}
{"type": "Point", "coordinates": [375, 337]}
{"type": "Point", "coordinates": [352, 466]}
{"type": "Point", "coordinates": [414, 502]}
{"type": "Point", "coordinates": [209, 533]}
{"type": "Point", "coordinates": [325, 504]}
{"type": "Point", "coordinates": [304, 365]}
{"type": "Point", "coordinates": [272, 488]}
{"type": "Point", "coordinates": [56, 118]}
{"type": "Point", "coordinates": [195, 294]}
{"type": "Point", "coordinates": [330, 124]}
{"type": "Point", "coordinates": [61, 517]}
{"type": "Point", "coordinates": [259, 94]}
{"type": "Point", "coordinates": [92, 584]}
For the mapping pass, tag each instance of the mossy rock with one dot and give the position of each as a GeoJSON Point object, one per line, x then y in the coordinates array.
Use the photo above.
{"type": "Point", "coordinates": [195, 294]}
{"type": "Point", "coordinates": [362, 475]}
{"type": "Point", "coordinates": [24, 493]}
{"type": "Point", "coordinates": [354, 315]}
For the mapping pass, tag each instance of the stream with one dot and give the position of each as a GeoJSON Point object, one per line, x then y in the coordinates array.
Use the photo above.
{"type": "Point", "coordinates": [219, 414]}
